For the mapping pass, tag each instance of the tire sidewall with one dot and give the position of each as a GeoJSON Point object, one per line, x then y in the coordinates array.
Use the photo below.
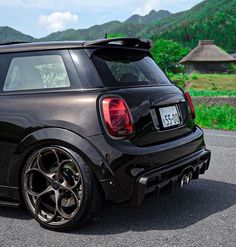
{"type": "Point", "coordinates": [82, 216]}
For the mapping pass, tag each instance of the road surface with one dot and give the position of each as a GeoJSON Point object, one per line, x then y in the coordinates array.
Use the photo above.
{"type": "Point", "coordinates": [201, 214]}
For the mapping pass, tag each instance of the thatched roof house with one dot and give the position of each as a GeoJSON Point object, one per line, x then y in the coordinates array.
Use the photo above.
{"type": "Point", "coordinates": [207, 58]}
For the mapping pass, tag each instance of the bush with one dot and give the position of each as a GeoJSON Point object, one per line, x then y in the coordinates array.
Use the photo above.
{"type": "Point", "coordinates": [216, 117]}
{"type": "Point", "coordinates": [168, 53]}
{"type": "Point", "coordinates": [115, 35]}
{"type": "Point", "coordinates": [232, 68]}
{"type": "Point", "coordinates": [178, 79]}
{"type": "Point", "coordinates": [194, 76]}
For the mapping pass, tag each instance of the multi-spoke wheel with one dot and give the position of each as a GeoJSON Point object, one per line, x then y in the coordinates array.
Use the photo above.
{"type": "Point", "coordinates": [57, 188]}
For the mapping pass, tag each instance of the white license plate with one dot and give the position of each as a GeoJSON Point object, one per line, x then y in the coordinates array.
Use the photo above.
{"type": "Point", "coordinates": [169, 116]}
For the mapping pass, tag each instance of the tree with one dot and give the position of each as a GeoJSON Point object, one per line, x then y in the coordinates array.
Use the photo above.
{"type": "Point", "coordinates": [115, 35]}
{"type": "Point", "coordinates": [168, 53]}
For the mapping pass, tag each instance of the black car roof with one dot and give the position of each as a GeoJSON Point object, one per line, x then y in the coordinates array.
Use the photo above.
{"type": "Point", "coordinates": [40, 46]}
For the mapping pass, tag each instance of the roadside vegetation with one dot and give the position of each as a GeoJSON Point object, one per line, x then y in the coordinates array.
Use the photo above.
{"type": "Point", "coordinates": [216, 117]}
{"type": "Point", "coordinates": [220, 116]}
{"type": "Point", "coordinates": [212, 93]}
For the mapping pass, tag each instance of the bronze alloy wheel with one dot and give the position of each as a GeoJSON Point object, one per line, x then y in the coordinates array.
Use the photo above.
{"type": "Point", "coordinates": [53, 186]}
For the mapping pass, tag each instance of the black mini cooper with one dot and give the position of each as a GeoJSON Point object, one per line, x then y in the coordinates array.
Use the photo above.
{"type": "Point", "coordinates": [81, 122]}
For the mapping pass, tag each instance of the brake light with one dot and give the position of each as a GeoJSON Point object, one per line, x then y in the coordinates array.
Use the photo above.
{"type": "Point", "coordinates": [117, 117]}
{"type": "Point", "coordinates": [190, 102]}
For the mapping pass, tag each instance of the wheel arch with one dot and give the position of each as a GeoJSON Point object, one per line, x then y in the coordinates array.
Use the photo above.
{"type": "Point", "coordinates": [58, 137]}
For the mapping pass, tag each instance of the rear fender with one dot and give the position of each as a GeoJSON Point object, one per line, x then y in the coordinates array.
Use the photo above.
{"type": "Point", "coordinates": [62, 137]}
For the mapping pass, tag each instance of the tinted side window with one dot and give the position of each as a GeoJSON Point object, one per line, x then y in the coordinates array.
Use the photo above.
{"type": "Point", "coordinates": [36, 72]}
{"type": "Point", "coordinates": [39, 70]}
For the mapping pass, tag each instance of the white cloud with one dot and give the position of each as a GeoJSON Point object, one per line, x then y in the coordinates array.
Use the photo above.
{"type": "Point", "coordinates": [148, 6]}
{"type": "Point", "coordinates": [57, 21]}
{"type": "Point", "coordinates": [172, 5]}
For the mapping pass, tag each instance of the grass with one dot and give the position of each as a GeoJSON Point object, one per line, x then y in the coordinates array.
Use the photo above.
{"type": "Point", "coordinates": [211, 85]}
{"type": "Point", "coordinates": [215, 82]}
{"type": "Point", "coordinates": [216, 117]}
{"type": "Point", "coordinates": [212, 93]}
{"type": "Point", "coordinates": [206, 85]}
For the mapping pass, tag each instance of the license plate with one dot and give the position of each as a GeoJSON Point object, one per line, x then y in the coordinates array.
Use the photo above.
{"type": "Point", "coordinates": [169, 116]}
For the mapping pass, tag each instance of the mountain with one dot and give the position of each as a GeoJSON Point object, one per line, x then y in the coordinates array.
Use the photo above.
{"type": "Point", "coordinates": [94, 32]}
{"type": "Point", "coordinates": [211, 19]}
{"type": "Point", "coordinates": [8, 34]}
{"type": "Point", "coordinates": [150, 18]}
{"type": "Point", "coordinates": [130, 27]}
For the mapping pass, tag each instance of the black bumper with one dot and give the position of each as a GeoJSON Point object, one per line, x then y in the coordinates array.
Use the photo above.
{"type": "Point", "coordinates": [169, 175]}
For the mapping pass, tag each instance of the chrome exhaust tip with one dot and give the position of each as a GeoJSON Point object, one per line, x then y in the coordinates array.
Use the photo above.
{"type": "Point", "coordinates": [186, 178]}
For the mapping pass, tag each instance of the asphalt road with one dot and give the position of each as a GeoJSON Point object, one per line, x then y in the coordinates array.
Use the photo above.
{"type": "Point", "coordinates": [201, 214]}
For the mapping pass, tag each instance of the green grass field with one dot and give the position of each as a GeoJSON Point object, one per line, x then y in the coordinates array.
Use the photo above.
{"type": "Point", "coordinates": [211, 85]}
{"type": "Point", "coordinates": [214, 82]}
{"type": "Point", "coordinates": [216, 117]}
{"type": "Point", "coordinates": [207, 84]}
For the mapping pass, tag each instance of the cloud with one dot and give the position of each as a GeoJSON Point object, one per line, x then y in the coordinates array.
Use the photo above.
{"type": "Point", "coordinates": [148, 6]}
{"type": "Point", "coordinates": [57, 21]}
{"type": "Point", "coordinates": [172, 5]}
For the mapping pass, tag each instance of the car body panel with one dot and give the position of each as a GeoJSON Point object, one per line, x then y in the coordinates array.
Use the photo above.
{"type": "Point", "coordinates": [125, 157]}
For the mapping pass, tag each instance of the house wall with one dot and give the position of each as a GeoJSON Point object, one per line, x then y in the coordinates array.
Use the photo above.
{"type": "Point", "coordinates": [205, 68]}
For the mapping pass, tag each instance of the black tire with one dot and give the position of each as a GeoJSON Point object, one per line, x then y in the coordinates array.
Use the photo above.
{"type": "Point", "coordinates": [72, 189]}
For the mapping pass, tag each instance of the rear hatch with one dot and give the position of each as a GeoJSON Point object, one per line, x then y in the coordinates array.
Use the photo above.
{"type": "Point", "coordinates": [158, 108]}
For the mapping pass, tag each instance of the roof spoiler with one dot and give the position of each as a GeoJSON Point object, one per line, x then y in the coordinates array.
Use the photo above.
{"type": "Point", "coordinates": [123, 42]}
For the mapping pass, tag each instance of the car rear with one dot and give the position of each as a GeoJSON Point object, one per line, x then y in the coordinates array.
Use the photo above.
{"type": "Point", "coordinates": [148, 134]}
{"type": "Point", "coordinates": [90, 113]}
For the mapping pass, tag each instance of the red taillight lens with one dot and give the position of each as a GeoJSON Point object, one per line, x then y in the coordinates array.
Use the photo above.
{"type": "Point", "coordinates": [190, 102]}
{"type": "Point", "coordinates": [117, 117]}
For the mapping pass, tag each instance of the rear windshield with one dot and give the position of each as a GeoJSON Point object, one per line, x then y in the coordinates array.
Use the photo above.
{"type": "Point", "coordinates": [120, 68]}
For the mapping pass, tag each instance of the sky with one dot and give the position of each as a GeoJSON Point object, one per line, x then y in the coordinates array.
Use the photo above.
{"type": "Point", "coordinates": [38, 18]}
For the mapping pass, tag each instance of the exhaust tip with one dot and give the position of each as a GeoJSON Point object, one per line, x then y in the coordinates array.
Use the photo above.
{"type": "Point", "coordinates": [186, 178]}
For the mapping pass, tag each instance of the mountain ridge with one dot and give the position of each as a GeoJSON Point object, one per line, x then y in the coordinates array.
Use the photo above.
{"type": "Point", "coordinates": [203, 21]}
{"type": "Point", "coordinates": [149, 18]}
{"type": "Point", "coordinates": [8, 34]}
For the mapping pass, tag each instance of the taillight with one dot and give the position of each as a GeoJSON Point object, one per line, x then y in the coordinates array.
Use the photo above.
{"type": "Point", "coordinates": [117, 117]}
{"type": "Point", "coordinates": [190, 102]}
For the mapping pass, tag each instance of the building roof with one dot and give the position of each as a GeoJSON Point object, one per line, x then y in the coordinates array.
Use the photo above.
{"type": "Point", "coordinates": [207, 51]}
{"type": "Point", "coordinates": [39, 46]}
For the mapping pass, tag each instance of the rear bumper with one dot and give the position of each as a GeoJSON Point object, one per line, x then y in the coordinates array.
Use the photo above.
{"type": "Point", "coordinates": [169, 176]}
{"type": "Point", "coordinates": [128, 162]}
